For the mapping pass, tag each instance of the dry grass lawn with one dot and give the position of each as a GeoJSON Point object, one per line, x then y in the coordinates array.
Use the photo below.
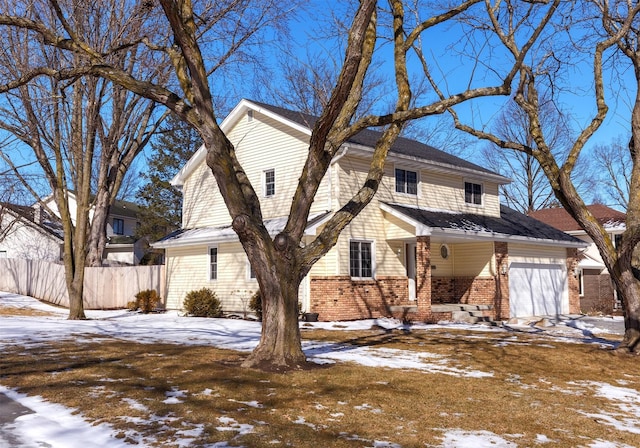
{"type": "Point", "coordinates": [160, 394]}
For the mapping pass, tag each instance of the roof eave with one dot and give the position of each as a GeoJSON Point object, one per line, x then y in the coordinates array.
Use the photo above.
{"type": "Point", "coordinates": [432, 165]}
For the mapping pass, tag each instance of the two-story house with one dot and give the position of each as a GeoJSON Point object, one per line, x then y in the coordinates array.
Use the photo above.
{"type": "Point", "coordinates": [34, 233]}
{"type": "Point", "coordinates": [434, 234]}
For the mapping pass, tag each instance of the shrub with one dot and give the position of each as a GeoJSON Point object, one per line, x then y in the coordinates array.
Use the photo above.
{"type": "Point", "coordinates": [255, 304]}
{"type": "Point", "coordinates": [146, 301]}
{"type": "Point", "coordinates": [202, 303]}
{"type": "Point", "coordinates": [132, 305]}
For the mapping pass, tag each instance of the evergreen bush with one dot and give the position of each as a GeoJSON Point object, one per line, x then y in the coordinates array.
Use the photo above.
{"type": "Point", "coordinates": [146, 301]}
{"type": "Point", "coordinates": [202, 303]}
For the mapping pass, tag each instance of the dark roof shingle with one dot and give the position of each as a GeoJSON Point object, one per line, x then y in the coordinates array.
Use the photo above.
{"type": "Point", "coordinates": [367, 137]}
{"type": "Point", "coordinates": [510, 223]}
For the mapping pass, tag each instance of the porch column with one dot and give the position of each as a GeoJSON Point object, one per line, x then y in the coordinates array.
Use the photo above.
{"type": "Point", "coordinates": [501, 305]}
{"type": "Point", "coordinates": [423, 276]}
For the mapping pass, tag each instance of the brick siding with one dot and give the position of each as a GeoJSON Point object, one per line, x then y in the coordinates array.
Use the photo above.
{"type": "Point", "coordinates": [341, 298]}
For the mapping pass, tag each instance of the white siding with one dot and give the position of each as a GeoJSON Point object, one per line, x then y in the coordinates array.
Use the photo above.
{"type": "Point", "coordinates": [26, 242]}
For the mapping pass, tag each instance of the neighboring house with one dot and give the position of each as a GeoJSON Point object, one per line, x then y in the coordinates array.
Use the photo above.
{"type": "Point", "coordinates": [434, 234]}
{"type": "Point", "coordinates": [122, 247]}
{"type": "Point", "coordinates": [596, 289]}
{"type": "Point", "coordinates": [28, 232]}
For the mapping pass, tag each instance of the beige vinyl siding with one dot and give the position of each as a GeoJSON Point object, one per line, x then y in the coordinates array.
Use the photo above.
{"type": "Point", "coordinates": [436, 190]}
{"type": "Point", "coordinates": [369, 226]}
{"type": "Point", "coordinates": [187, 269]}
{"type": "Point", "coordinates": [396, 228]}
{"type": "Point", "coordinates": [446, 192]}
{"type": "Point", "coordinates": [465, 260]}
{"type": "Point", "coordinates": [527, 253]}
{"type": "Point", "coordinates": [203, 205]}
{"type": "Point", "coordinates": [261, 144]}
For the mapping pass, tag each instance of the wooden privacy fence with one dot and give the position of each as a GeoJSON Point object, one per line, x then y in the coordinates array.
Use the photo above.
{"type": "Point", "coordinates": [104, 287]}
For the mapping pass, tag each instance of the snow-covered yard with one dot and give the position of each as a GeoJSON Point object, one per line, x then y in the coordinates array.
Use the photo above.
{"type": "Point", "coordinates": [49, 424]}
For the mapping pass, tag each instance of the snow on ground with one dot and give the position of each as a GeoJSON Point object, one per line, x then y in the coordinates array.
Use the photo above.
{"type": "Point", "coordinates": [52, 425]}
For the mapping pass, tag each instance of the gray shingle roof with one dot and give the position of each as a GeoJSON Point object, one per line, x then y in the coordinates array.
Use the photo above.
{"type": "Point", "coordinates": [510, 223]}
{"type": "Point", "coordinates": [367, 137]}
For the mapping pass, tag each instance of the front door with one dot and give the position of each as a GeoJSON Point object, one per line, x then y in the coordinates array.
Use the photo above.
{"type": "Point", "coordinates": [410, 253]}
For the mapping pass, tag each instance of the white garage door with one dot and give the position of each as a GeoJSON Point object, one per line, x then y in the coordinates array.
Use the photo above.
{"type": "Point", "coordinates": [537, 289]}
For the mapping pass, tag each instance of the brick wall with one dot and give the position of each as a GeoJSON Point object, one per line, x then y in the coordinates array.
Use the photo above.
{"type": "Point", "coordinates": [467, 290]}
{"type": "Point", "coordinates": [341, 298]}
{"type": "Point", "coordinates": [597, 292]}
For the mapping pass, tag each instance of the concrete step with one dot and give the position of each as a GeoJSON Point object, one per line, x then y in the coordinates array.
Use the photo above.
{"type": "Point", "coordinates": [472, 317]}
{"type": "Point", "coordinates": [451, 307]}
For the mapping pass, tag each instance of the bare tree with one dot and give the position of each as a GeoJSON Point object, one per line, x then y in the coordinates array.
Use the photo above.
{"type": "Point", "coordinates": [613, 36]}
{"type": "Point", "coordinates": [611, 168]}
{"type": "Point", "coordinates": [281, 262]}
{"type": "Point", "coordinates": [530, 189]}
{"type": "Point", "coordinates": [82, 131]}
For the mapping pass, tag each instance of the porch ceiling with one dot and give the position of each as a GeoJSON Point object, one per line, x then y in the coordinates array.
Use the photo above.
{"type": "Point", "coordinates": [511, 226]}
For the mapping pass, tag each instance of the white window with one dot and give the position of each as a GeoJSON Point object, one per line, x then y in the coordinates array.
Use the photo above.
{"type": "Point", "coordinates": [3, 254]}
{"type": "Point", "coordinates": [251, 273]}
{"type": "Point", "coordinates": [361, 259]}
{"type": "Point", "coordinates": [213, 263]}
{"type": "Point", "coordinates": [473, 193]}
{"type": "Point", "coordinates": [118, 226]}
{"type": "Point", "coordinates": [406, 181]}
{"type": "Point", "coordinates": [270, 182]}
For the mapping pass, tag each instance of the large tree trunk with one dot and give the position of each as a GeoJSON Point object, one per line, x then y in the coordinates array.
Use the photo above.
{"type": "Point", "coordinates": [98, 231]}
{"type": "Point", "coordinates": [75, 290]}
{"type": "Point", "coordinates": [629, 289]}
{"type": "Point", "coordinates": [278, 273]}
{"type": "Point", "coordinates": [279, 348]}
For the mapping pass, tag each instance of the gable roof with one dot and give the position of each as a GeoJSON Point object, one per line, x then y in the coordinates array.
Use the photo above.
{"type": "Point", "coordinates": [367, 138]}
{"type": "Point", "coordinates": [46, 224]}
{"type": "Point", "coordinates": [510, 226]}
{"type": "Point", "coordinates": [560, 218]}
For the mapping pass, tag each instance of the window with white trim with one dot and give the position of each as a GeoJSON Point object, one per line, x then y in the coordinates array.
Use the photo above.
{"type": "Point", "coordinates": [473, 193]}
{"type": "Point", "coordinates": [213, 263]}
{"type": "Point", "coordinates": [270, 182]}
{"type": "Point", "coordinates": [361, 259]}
{"type": "Point", "coordinates": [406, 181]}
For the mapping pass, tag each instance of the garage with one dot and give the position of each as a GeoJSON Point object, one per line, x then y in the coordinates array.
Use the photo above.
{"type": "Point", "coordinates": [537, 289]}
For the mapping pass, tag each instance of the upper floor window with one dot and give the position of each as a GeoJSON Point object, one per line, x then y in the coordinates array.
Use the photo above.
{"type": "Point", "coordinates": [360, 259]}
{"type": "Point", "coordinates": [270, 182]}
{"type": "Point", "coordinates": [213, 263]}
{"type": "Point", "coordinates": [406, 181]}
{"type": "Point", "coordinates": [473, 193]}
{"type": "Point", "coordinates": [118, 226]}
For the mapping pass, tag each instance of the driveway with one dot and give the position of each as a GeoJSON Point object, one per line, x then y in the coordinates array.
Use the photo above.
{"type": "Point", "coordinates": [9, 411]}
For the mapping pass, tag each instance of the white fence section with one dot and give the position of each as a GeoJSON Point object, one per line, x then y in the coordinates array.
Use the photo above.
{"type": "Point", "coordinates": [104, 288]}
